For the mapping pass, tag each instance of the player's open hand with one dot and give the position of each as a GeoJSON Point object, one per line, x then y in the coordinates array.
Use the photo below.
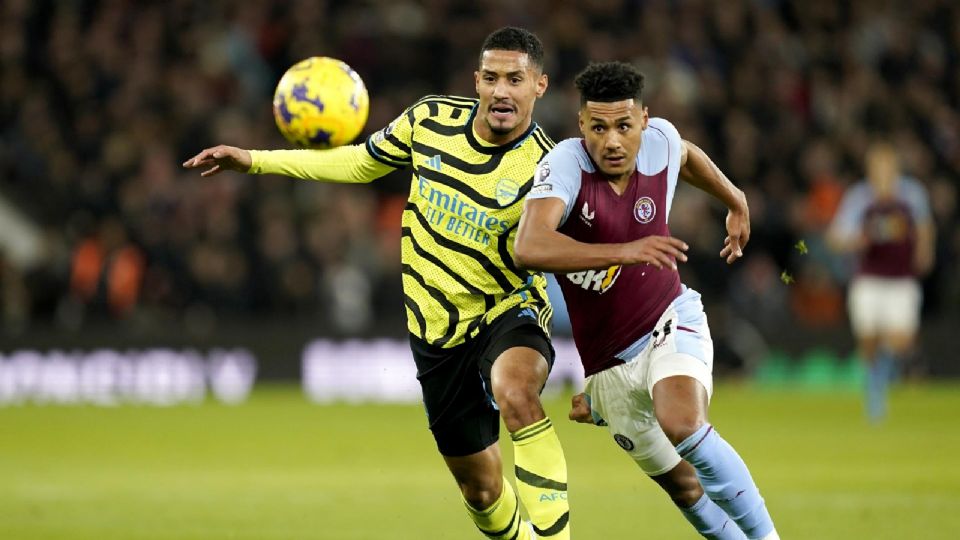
{"type": "Point", "coordinates": [659, 251]}
{"type": "Point", "coordinates": [738, 234]}
{"type": "Point", "coordinates": [220, 158]}
{"type": "Point", "coordinates": [580, 410]}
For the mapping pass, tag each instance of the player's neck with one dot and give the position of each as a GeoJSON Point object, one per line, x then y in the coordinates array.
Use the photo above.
{"type": "Point", "coordinates": [620, 182]}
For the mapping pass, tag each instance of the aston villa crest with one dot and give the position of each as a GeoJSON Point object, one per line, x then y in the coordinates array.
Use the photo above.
{"type": "Point", "coordinates": [645, 210]}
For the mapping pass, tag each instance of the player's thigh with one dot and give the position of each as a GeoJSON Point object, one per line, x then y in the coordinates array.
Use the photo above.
{"type": "Point", "coordinates": [619, 400]}
{"type": "Point", "coordinates": [863, 304]}
{"type": "Point", "coordinates": [899, 311]}
{"type": "Point", "coordinates": [517, 353]}
{"type": "Point", "coordinates": [681, 346]}
{"type": "Point", "coordinates": [680, 403]}
{"type": "Point", "coordinates": [460, 410]}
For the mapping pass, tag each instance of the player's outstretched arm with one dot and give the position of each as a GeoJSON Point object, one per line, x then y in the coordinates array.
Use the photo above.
{"type": "Point", "coordinates": [539, 246]}
{"type": "Point", "coordinates": [698, 170]}
{"type": "Point", "coordinates": [345, 164]}
{"type": "Point", "coordinates": [220, 158]}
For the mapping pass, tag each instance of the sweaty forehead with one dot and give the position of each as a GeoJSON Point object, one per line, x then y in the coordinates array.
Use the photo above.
{"type": "Point", "coordinates": [612, 110]}
{"type": "Point", "coordinates": [499, 61]}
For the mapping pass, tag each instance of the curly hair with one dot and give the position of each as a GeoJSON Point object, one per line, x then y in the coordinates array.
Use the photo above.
{"type": "Point", "coordinates": [511, 38]}
{"type": "Point", "coordinates": [609, 81]}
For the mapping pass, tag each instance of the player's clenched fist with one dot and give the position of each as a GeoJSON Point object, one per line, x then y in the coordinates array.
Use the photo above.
{"type": "Point", "coordinates": [220, 158]}
{"type": "Point", "coordinates": [580, 410]}
{"type": "Point", "coordinates": [659, 251]}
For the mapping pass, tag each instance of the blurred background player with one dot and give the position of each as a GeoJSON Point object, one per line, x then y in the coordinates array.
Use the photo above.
{"type": "Point", "coordinates": [479, 326]}
{"type": "Point", "coordinates": [885, 221]}
{"type": "Point", "coordinates": [597, 216]}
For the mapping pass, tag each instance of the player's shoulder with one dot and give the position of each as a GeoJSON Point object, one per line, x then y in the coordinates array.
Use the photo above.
{"type": "Point", "coordinates": [569, 154]}
{"type": "Point", "coordinates": [915, 194]}
{"type": "Point", "coordinates": [911, 186]}
{"type": "Point", "coordinates": [860, 190]}
{"type": "Point", "coordinates": [662, 128]}
{"type": "Point", "coordinates": [660, 147]}
{"type": "Point", "coordinates": [858, 196]}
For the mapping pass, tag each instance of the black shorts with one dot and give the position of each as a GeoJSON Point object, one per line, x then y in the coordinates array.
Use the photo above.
{"type": "Point", "coordinates": [456, 386]}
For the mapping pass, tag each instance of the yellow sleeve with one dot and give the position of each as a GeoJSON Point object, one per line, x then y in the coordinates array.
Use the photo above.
{"type": "Point", "coordinates": [345, 164]}
{"type": "Point", "coordinates": [391, 145]}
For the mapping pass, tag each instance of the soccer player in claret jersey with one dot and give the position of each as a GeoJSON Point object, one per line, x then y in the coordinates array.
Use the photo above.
{"type": "Point", "coordinates": [597, 217]}
{"type": "Point", "coordinates": [885, 220]}
{"type": "Point", "coordinates": [479, 325]}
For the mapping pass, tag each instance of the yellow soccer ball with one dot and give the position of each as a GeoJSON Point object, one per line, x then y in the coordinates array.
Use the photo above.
{"type": "Point", "coordinates": [320, 103]}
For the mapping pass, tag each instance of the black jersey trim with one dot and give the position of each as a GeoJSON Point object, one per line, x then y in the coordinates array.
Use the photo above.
{"type": "Point", "coordinates": [406, 232]}
{"type": "Point", "coordinates": [404, 147]}
{"type": "Point", "coordinates": [488, 266]}
{"type": "Point", "coordinates": [417, 314]}
{"type": "Point", "coordinates": [384, 157]}
{"type": "Point", "coordinates": [465, 189]}
{"type": "Point", "coordinates": [545, 143]}
{"type": "Point", "coordinates": [449, 159]}
{"type": "Point", "coordinates": [453, 101]}
{"type": "Point", "coordinates": [459, 185]}
{"type": "Point", "coordinates": [492, 150]}
{"type": "Point", "coordinates": [447, 130]}
{"type": "Point", "coordinates": [503, 249]}
{"type": "Point", "coordinates": [453, 314]}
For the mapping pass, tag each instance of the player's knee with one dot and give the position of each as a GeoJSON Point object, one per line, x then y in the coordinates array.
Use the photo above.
{"type": "Point", "coordinates": [681, 484]}
{"type": "Point", "coordinates": [519, 406]}
{"type": "Point", "coordinates": [678, 428]}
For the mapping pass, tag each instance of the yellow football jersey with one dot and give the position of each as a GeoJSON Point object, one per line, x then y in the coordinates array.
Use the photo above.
{"type": "Point", "coordinates": [461, 219]}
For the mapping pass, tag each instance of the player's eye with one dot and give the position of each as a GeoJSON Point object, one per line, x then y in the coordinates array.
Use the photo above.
{"type": "Point", "coordinates": [598, 128]}
{"type": "Point", "coordinates": [516, 80]}
{"type": "Point", "coordinates": [625, 127]}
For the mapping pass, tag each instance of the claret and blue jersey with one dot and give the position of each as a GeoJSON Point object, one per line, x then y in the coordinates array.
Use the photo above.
{"type": "Point", "coordinates": [612, 308]}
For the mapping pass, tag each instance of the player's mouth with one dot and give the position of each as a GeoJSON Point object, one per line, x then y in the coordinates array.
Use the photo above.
{"type": "Point", "coordinates": [615, 161]}
{"type": "Point", "coordinates": [502, 111]}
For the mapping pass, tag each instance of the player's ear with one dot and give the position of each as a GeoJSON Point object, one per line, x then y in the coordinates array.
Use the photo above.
{"type": "Point", "coordinates": [644, 117]}
{"type": "Point", "coordinates": [542, 84]}
{"type": "Point", "coordinates": [582, 122]}
{"type": "Point", "coordinates": [476, 81]}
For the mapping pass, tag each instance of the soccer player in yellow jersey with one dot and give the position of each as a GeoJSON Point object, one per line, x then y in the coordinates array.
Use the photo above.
{"type": "Point", "coordinates": [479, 325]}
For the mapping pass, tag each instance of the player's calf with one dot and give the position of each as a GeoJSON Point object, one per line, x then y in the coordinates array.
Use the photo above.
{"type": "Point", "coordinates": [681, 484]}
{"type": "Point", "coordinates": [727, 481]}
{"type": "Point", "coordinates": [518, 375]}
{"type": "Point", "coordinates": [698, 509]}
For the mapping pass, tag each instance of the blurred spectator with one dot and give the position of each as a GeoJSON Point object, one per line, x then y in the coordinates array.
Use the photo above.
{"type": "Point", "coordinates": [101, 100]}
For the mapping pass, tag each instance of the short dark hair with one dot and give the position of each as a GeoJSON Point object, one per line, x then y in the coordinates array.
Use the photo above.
{"type": "Point", "coordinates": [511, 38]}
{"type": "Point", "coordinates": [609, 81]}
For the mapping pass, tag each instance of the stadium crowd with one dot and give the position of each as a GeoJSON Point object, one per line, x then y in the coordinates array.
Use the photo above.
{"type": "Point", "coordinates": [101, 100]}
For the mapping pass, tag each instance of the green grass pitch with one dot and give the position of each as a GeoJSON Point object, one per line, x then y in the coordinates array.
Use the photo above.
{"type": "Point", "coordinates": [280, 468]}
